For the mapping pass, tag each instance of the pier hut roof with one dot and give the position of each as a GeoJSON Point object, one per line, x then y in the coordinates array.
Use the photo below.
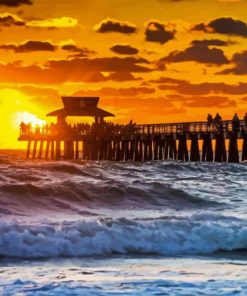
{"type": "Point", "coordinates": [80, 106]}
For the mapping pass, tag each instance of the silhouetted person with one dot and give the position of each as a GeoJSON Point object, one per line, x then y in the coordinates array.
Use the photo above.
{"type": "Point", "coordinates": [235, 123]}
{"type": "Point", "coordinates": [218, 122]}
{"type": "Point", "coordinates": [217, 118]}
{"type": "Point", "coordinates": [23, 128]}
{"type": "Point", "coordinates": [210, 119]}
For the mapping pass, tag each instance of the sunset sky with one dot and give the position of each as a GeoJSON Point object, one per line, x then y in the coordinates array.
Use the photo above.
{"type": "Point", "coordinates": [148, 60]}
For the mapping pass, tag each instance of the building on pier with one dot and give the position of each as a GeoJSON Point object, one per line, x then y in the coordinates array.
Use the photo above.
{"type": "Point", "coordinates": [186, 141]}
{"type": "Point", "coordinates": [80, 106]}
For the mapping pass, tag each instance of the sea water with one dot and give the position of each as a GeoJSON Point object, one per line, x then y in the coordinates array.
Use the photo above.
{"type": "Point", "coordinates": [122, 228]}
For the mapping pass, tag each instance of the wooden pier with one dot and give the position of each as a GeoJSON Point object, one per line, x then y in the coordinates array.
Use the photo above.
{"type": "Point", "coordinates": [217, 141]}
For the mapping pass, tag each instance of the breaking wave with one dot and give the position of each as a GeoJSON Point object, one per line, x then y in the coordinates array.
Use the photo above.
{"type": "Point", "coordinates": [198, 234]}
{"type": "Point", "coordinates": [76, 208]}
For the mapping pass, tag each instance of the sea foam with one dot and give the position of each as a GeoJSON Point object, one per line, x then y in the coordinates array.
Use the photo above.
{"type": "Point", "coordinates": [197, 234]}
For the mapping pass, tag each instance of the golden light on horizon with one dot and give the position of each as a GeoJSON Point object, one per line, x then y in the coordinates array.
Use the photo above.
{"type": "Point", "coordinates": [27, 118]}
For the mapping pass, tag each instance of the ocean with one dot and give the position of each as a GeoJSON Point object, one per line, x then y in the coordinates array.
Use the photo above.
{"type": "Point", "coordinates": [122, 228]}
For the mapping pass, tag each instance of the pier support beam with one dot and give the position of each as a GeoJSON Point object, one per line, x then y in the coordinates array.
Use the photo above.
{"type": "Point", "coordinates": [47, 150]}
{"type": "Point", "coordinates": [118, 150]}
{"type": "Point", "coordinates": [103, 146]}
{"type": "Point", "coordinates": [137, 148]}
{"type": "Point", "coordinates": [157, 143]}
{"type": "Point", "coordinates": [207, 148]}
{"type": "Point", "coordinates": [52, 150]}
{"type": "Point", "coordinates": [194, 149]}
{"type": "Point", "coordinates": [110, 150]}
{"type": "Point", "coordinates": [41, 149]}
{"type": "Point", "coordinates": [233, 155]}
{"type": "Point", "coordinates": [58, 150]}
{"type": "Point", "coordinates": [170, 148]}
{"type": "Point", "coordinates": [173, 153]}
{"type": "Point", "coordinates": [95, 147]}
{"type": "Point", "coordinates": [244, 147]}
{"type": "Point", "coordinates": [35, 149]}
{"type": "Point", "coordinates": [220, 148]}
{"type": "Point", "coordinates": [182, 148]}
{"type": "Point", "coordinates": [76, 149]}
{"type": "Point", "coordinates": [29, 143]}
{"type": "Point", "coordinates": [68, 149]}
{"type": "Point", "coordinates": [131, 149]}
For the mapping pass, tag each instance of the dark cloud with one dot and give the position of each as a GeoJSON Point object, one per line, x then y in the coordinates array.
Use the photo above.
{"type": "Point", "coordinates": [240, 64]}
{"type": "Point", "coordinates": [224, 25]}
{"type": "Point", "coordinates": [114, 64]}
{"type": "Point", "coordinates": [30, 46]}
{"type": "Point", "coordinates": [74, 70]}
{"type": "Point", "coordinates": [14, 3]}
{"type": "Point", "coordinates": [200, 54]}
{"type": "Point", "coordinates": [206, 88]}
{"type": "Point", "coordinates": [124, 49]}
{"type": "Point", "coordinates": [157, 32]}
{"type": "Point", "coordinates": [202, 101]}
{"type": "Point", "coordinates": [7, 20]}
{"type": "Point", "coordinates": [77, 51]}
{"type": "Point", "coordinates": [111, 25]}
{"type": "Point", "coordinates": [211, 42]}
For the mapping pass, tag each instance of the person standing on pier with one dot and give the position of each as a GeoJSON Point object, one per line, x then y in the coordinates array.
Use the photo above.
{"type": "Point", "coordinates": [235, 123]}
{"type": "Point", "coordinates": [23, 128]}
{"type": "Point", "coordinates": [218, 122]}
{"type": "Point", "coordinates": [209, 119]}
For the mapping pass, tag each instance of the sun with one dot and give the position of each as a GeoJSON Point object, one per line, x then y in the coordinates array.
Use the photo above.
{"type": "Point", "coordinates": [28, 118]}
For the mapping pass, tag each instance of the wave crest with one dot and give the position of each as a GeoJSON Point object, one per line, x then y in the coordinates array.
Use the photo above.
{"type": "Point", "coordinates": [199, 234]}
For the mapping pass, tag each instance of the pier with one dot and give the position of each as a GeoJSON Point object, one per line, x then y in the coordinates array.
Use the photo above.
{"type": "Point", "coordinates": [212, 140]}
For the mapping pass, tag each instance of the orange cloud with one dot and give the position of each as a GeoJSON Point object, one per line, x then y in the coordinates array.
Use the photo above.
{"type": "Point", "coordinates": [53, 23]}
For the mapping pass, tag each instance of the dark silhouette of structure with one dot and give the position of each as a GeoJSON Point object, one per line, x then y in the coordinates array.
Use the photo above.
{"type": "Point", "coordinates": [107, 141]}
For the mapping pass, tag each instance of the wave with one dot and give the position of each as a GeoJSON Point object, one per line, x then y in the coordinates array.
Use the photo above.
{"type": "Point", "coordinates": [73, 185]}
{"type": "Point", "coordinates": [197, 234]}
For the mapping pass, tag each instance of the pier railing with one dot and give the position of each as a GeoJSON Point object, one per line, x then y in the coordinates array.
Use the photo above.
{"type": "Point", "coordinates": [133, 129]}
{"type": "Point", "coordinates": [189, 127]}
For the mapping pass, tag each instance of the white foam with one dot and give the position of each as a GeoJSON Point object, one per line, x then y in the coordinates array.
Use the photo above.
{"type": "Point", "coordinates": [194, 235]}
